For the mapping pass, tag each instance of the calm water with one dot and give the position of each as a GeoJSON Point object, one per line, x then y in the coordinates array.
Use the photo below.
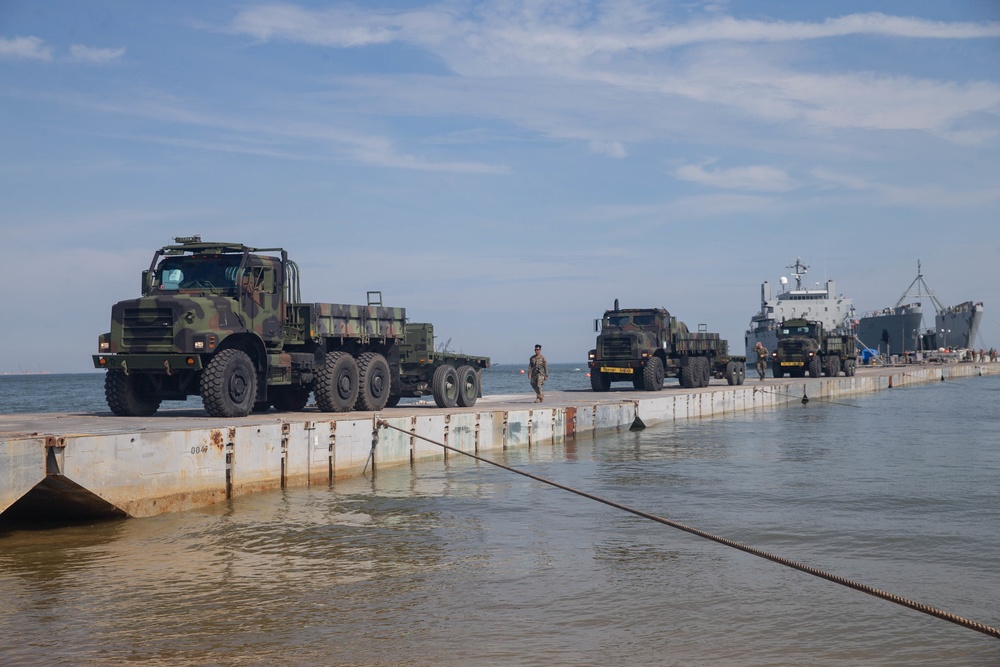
{"type": "Point", "coordinates": [460, 563]}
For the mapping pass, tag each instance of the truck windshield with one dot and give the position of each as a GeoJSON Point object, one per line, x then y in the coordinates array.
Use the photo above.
{"type": "Point", "coordinates": [617, 320]}
{"type": "Point", "coordinates": [181, 273]}
{"type": "Point", "coordinates": [798, 331]}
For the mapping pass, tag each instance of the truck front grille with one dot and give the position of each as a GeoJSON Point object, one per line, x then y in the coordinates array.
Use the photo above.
{"type": "Point", "coordinates": [146, 328]}
{"type": "Point", "coordinates": [617, 348]}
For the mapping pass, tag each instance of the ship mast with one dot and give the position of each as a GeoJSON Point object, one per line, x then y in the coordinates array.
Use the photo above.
{"type": "Point", "coordinates": [798, 270]}
{"type": "Point", "coordinates": [922, 291]}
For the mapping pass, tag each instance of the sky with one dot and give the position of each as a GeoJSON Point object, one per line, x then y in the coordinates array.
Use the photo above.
{"type": "Point", "coordinates": [504, 170]}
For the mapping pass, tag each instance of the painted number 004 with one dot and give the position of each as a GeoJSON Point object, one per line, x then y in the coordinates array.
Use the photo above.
{"type": "Point", "coordinates": [199, 450]}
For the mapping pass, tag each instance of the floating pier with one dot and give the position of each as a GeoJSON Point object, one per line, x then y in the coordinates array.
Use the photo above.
{"type": "Point", "coordinates": [81, 465]}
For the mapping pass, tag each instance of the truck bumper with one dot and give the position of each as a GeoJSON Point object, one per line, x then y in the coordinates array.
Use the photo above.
{"type": "Point", "coordinates": [164, 363]}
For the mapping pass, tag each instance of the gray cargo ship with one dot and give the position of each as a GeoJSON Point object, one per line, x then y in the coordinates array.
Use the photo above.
{"type": "Point", "coordinates": [893, 331]}
{"type": "Point", "coordinates": [821, 304]}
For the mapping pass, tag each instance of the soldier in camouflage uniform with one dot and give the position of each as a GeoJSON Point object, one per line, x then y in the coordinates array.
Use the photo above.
{"type": "Point", "coordinates": [538, 373]}
{"type": "Point", "coordinates": [761, 359]}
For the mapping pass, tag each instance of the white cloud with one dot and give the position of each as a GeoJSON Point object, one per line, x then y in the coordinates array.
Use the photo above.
{"type": "Point", "coordinates": [28, 48]}
{"type": "Point", "coordinates": [610, 148]}
{"type": "Point", "coordinates": [90, 54]}
{"type": "Point", "coordinates": [758, 178]}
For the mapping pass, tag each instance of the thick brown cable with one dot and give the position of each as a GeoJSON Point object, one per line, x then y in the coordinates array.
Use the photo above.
{"type": "Point", "coordinates": [870, 590]}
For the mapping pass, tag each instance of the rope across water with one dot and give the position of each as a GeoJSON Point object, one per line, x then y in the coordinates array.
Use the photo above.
{"type": "Point", "coordinates": [870, 590]}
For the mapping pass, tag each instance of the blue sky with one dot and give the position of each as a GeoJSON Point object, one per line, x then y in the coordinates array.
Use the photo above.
{"type": "Point", "coordinates": [504, 170]}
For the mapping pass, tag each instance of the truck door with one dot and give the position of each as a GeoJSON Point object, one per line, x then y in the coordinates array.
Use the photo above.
{"type": "Point", "coordinates": [261, 299]}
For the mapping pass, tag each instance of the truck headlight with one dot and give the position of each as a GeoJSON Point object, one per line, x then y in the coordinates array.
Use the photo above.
{"type": "Point", "coordinates": [104, 346]}
{"type": "Point", "coordinates": [199, 345]}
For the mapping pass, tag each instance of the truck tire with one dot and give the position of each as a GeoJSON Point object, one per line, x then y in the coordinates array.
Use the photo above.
{"type": "Point", "coordinates": [833, 366]}
{"type": "Point", "coordinates": [599, 381]}
{"type": "Point", "coordinates": [374, 382]}
{"type": "Point", "coordinates": [815, 367]}
{"type": "Point", "coordinates": [706, 371]}
{"type": "Point", "coordinates": [732, 373]}
{"type": "Point", "coordinates": [393, 401]}
{"type": "Point", "coordinates": [849, 368]}
{"type": "Point", "coordinates": [468, 386]}
{"type": "Point", "coordinates": [336, 384]}
{"type": "Point", "coordinates": [743, 372]}
{"type": "Point", "coordinates": [290, 399]}
{"type": "Point", "coordinates": [652, 375]}
{"type": "Point", "coordinates": [229, 384]}
{"type": "Point", "coordinates": [127, 395]}
{"type": "Point", "coordinates": [444, 386]}
{"type": "Point", "coordinates": [638, 381]}
{"type": "Point", "coordinates": [689, 372]}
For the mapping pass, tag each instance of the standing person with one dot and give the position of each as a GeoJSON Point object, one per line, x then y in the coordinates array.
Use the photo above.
{"type": "Point", "coordinates": [761, 359]}
{"type": "Point", "coordinates": [538, 373]}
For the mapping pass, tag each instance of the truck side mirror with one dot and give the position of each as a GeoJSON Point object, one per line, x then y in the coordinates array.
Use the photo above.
{"type": "Point", "coordinates": [144, 289]}
{"type": "Point", "coordinates": [597, 326]}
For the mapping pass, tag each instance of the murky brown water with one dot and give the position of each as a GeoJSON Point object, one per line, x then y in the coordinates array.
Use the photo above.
{"type": "Point", "coordinates": [465, 564]}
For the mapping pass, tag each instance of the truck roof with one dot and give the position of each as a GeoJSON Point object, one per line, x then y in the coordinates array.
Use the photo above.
{"type": "Point", "coordinates": [194, 245]}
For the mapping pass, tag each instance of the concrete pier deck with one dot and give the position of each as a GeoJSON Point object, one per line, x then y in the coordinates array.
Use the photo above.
{"type": "Point", "coordinates": [64, 466]}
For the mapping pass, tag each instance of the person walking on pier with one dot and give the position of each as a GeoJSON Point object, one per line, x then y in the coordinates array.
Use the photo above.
{"type": "Point", "coordinates": [538, 373]}
{"type": "Point", "coordinates": [761, 359]}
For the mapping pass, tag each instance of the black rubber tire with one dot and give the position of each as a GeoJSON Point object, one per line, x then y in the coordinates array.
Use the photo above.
{"type": "Point", "coordinates": [229, 384]}
{"type": "Point", "coordinates": [849, 368]}
{"type": "Point", "coordinates": [393, 401]}
{"type": "Point", "coordinates": [742, 367]}
{"type": "Point", "coordinates": [599, 381]}
{"type": "Point", "coordinates": [638, 381]}
{"type": "Point", "coordinates": [815, 367]}
{"type": "Point", "coordinates": [731, 374]}
{"type": "Point", "coordinates": [468, 386]}
{"type": "Point", "coordinates": [261, 406]}
{"type": "Point", "coordinates": [336, 384]}
{"type": "Point", "coordinates": [126, 395]}
{"type": "Point", "coordinates": [833, 366]}
{"type": "Point", "coordinates": [289, 399]}
{"type": "Point", "coordinates": [444, 386]}
{"type": "Point", "coordinates": [374, 382]}
{"type": "Point", "coordinates": [652, 375]}
{"type": "Point", "coordinates": [689, 372]}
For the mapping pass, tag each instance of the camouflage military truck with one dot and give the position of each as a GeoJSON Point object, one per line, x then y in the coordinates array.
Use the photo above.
{"type": "Point", "coordinates": [644, 345]}
{"type": "Point", "coordinates": [226, 322]}
{"type": "Point", "coordinates": [452, 378]}
{"type": "Point", "coordinates": [804, 347]}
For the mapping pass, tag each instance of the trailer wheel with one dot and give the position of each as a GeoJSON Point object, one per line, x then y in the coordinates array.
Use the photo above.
{"type": "Point", "coordinates": [290, 399]}
{"type": "Point", "coordinates": [336, 384]}
{"type": "Point", "coordinates": [652, 375]}
{"type": "Point", "coordinates": [815, 367]}
{"type": "Point", "coordinates": [229, 384]}
{"type": "Point", "coordinates": [128, 395]}
{"type": "Point", "coordinates": [468, 386]}
{"type": "Point", "coordinates": [742, 372]}
{"type": "Point", "coordinates": [599, 381]}
{"type": "Point", "coordinates": [444, 386]}
{"type": "Point", "coordinates": [833, 366]}
{"type": "Point", "coordinates": [374, 381]}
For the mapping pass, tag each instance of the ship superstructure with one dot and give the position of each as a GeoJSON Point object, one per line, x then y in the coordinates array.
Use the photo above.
{"type": "Point", "coordinates": [796, 300]}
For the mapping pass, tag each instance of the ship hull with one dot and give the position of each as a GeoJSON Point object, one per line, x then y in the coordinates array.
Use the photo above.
{"type": "Point", "coordinates": [958, 326]}
{"type": "Point", "coordinates": [894, 332]}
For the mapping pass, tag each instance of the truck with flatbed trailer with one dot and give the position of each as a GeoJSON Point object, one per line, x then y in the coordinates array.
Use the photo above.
{"type": "Point", "coordinates": [644, 345]}
{"type": "Point", "coordinates": [452, 378]}
{"type": "Point", "coordinates": [804, 347]}
{"type": "Point", "coordinates": [226, 322]}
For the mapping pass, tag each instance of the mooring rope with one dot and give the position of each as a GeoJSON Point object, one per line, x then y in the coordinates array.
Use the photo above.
{"type": "Point", "coordinates": [804, 398]}
{"type": "Point", "coordinates": [870, 590]}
